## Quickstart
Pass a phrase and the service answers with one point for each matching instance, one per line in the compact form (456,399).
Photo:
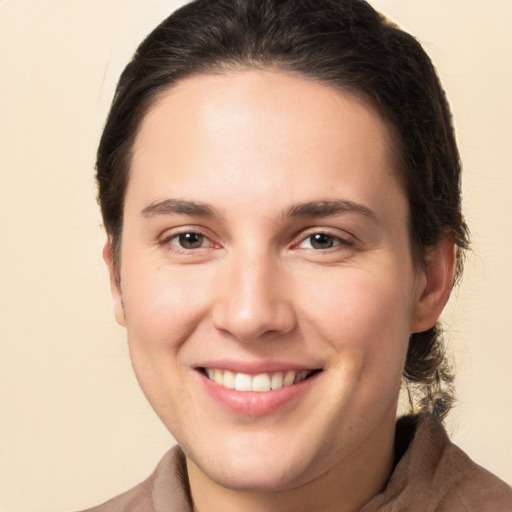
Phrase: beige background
(74,427)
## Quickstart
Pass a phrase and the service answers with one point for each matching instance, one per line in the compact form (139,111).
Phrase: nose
(254,302)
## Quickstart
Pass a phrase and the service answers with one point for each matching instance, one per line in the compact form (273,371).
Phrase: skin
(252,145)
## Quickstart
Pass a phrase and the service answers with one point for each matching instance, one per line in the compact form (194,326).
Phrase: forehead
(259,131)
(255,98)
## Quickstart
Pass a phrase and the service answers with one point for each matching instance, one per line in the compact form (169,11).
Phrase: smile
(261,383)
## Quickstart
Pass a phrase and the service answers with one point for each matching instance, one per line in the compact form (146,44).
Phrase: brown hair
(347,45)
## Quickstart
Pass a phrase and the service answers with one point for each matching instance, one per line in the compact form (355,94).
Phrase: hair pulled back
(346,45)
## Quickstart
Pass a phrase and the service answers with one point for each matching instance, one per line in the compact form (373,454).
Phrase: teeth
(243,382)
(289,378)
(218,377)
(259,383)
(277,381)
(300,376)
(228,380)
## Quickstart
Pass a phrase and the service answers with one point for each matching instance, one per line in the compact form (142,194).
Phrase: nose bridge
(254,301)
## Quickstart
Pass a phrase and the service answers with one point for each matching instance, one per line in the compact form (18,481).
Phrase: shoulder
(136,499)
(475,487)
(435,475)
(165,490)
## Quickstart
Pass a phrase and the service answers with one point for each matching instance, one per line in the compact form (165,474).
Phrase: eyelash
(337,242)
(167,241)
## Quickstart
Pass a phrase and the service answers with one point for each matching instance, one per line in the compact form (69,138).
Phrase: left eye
(323,241)
(190,240)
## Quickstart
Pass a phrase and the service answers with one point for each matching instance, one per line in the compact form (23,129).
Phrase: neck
(345,487)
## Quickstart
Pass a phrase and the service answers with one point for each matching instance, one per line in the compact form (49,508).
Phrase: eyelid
(171,233)
(168,235)
(346,238)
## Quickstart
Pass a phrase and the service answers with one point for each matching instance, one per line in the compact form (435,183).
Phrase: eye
(190,240)
(324,241)
(187,241)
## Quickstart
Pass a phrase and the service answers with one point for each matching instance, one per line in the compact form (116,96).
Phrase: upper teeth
(261,382)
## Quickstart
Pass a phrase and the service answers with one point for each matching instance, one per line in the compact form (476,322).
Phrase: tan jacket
(432,476)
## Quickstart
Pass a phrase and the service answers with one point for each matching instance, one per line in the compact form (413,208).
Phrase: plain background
(74,426)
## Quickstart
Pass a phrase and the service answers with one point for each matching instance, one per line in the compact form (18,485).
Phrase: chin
(252,475)
(254,464)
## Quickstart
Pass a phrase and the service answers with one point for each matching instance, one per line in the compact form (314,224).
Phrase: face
(266,279)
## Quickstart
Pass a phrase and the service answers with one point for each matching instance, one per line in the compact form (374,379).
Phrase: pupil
(191,240)
(321,241)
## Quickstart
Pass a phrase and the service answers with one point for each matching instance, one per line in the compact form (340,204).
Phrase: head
(345,45)
(294,61)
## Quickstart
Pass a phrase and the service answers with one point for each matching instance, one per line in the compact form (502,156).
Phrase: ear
(115,285)
(434,285)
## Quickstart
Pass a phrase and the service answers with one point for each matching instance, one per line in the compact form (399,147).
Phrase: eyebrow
(323,208)
(329,207)
(177,206)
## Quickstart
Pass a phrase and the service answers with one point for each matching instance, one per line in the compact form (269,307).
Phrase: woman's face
(265,245)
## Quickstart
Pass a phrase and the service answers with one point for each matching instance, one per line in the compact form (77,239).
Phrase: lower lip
(253,403)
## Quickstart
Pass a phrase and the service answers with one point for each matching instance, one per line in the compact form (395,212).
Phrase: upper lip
(256,367)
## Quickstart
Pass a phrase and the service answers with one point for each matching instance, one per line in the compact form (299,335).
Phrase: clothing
(432,475)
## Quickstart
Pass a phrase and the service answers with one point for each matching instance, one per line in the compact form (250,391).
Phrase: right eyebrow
(180,206)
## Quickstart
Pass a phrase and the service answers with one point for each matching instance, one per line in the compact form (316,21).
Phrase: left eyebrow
(179,206)
(329,207)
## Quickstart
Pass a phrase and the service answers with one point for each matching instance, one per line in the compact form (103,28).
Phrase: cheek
(365,313)
(161,308)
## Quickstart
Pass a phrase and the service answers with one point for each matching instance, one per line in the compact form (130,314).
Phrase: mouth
(259,383)
(256,389)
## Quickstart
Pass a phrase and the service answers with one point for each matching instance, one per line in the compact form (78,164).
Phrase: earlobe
(115,285)
(434,286)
